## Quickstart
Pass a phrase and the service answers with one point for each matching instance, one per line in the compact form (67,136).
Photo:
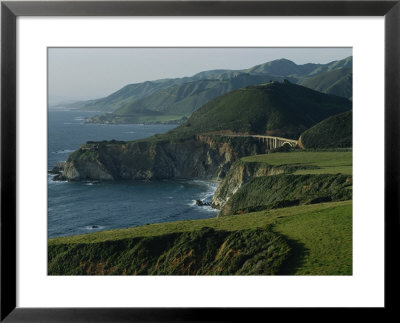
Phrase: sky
(90,73)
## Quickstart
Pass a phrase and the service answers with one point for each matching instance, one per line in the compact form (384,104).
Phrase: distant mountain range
(174,100)
(338,82)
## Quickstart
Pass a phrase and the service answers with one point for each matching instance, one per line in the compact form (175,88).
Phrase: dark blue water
(76,208)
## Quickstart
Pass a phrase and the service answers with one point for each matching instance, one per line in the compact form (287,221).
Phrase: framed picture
(161,109)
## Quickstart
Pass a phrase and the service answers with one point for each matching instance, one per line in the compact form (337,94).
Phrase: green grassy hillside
(313,162)
(295,178)
(167,94)
(319,238)
(198,252)
(333,132)
(280,109)
(285,67)
(314,237)
(276,191)
(321,241)
(337,82)
(185,98)
(128,94)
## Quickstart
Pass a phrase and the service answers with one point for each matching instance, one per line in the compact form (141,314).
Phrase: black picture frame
(10,10)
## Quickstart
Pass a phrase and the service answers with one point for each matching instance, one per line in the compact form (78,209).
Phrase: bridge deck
(292,141)
(272,137)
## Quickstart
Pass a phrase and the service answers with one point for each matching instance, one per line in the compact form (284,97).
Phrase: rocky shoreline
(203,157)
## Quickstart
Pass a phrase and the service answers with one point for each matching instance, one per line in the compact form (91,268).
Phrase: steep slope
(333,132)
(306,165)
(199,252)
(277,191)
(178,101)
(319,237)
(278,68)
(285,67)
(278,109)
(201,157)
(338,82)
(200,147)
(126,95)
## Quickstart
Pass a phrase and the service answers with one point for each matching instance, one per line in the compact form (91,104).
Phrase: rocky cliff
(206,251)
(238,175)
(199,157)
(269,192)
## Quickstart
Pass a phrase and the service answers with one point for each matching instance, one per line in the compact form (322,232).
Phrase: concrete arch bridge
(276,142)
(271,141)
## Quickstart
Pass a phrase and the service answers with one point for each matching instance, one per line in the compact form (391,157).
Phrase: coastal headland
(285,208)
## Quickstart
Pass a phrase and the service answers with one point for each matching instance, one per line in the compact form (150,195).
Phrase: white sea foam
(50,179)
(210,209)
(209,193)
(192,203)
(94,227)
(205,197)
(63,151)
(89,183)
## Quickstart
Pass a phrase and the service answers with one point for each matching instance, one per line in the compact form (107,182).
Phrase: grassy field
(319,162)
(231,223)
(321,241)
(320,235)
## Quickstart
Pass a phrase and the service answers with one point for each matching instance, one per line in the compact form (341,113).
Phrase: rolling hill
(333,132)
(179,101)
(127,94)
(278,109)
(169,100)
(338,82)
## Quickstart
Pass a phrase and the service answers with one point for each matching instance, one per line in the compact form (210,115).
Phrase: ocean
(85,207)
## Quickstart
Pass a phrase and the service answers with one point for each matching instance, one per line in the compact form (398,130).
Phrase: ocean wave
(209,193)
(209,209)
(206,196)
(192,203)
(50,180)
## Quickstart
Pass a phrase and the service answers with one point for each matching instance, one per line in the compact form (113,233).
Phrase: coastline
(171,206)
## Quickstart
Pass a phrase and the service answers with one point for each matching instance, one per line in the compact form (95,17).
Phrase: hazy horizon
(90,73)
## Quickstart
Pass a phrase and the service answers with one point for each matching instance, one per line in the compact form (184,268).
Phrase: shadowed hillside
(170,100)
(278,109)
(199,252)
(177,101)
(333,132)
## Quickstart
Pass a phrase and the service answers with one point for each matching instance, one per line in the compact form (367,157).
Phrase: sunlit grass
(320,235)
(321,241)
(320,162)
(229,223)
